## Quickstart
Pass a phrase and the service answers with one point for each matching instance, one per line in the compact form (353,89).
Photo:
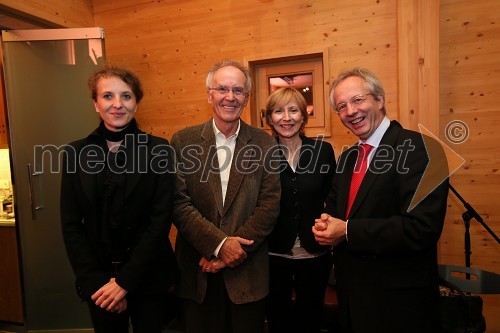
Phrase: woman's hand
(212,266)
(109,296)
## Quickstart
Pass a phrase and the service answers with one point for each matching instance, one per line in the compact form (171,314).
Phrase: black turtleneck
(112,186)
(117,136)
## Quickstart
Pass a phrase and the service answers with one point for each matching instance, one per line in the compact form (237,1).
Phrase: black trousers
(302,279)
(389,310)
(146,313)
(217,314)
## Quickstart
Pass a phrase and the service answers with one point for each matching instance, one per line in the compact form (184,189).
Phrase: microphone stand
(469,214)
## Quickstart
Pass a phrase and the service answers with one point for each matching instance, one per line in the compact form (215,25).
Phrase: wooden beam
(418,74)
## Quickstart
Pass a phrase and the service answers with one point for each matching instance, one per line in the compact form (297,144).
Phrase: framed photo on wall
(307,74)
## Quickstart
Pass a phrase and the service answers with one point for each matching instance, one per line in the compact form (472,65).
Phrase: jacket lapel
(209,157)
(235,176)
(388,139)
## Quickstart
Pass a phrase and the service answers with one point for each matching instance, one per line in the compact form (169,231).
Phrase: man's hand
(231,252)
(109,295)
(328,230)
(212,266)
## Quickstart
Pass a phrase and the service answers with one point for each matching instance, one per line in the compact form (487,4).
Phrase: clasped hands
(231,254)
(111,297)
(329,230)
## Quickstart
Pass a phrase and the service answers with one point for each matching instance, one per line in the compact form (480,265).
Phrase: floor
(9,328)
(329,315)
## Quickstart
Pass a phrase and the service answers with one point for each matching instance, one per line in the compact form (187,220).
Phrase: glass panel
(302,82)
(48,104)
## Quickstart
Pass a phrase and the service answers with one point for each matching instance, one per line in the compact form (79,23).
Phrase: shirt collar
(376,137)
(218,132)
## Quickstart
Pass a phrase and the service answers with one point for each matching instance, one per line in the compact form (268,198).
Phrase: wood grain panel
(175,43)
(54,13)
(418,42)
(470,81)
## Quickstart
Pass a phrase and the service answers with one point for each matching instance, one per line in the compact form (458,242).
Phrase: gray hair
(372,83)
(232,63)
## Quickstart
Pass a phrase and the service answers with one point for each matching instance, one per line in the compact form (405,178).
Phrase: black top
(303,194)
(141,210)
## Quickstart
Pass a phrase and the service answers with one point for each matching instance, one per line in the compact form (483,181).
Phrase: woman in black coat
(116,202)
(299,266)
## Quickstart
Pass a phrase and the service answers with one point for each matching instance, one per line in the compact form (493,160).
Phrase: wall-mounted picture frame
(308,73)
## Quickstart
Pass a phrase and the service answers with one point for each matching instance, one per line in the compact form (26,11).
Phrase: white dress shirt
(225,151)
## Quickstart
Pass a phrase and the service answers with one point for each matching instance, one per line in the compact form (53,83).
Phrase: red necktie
(358,174)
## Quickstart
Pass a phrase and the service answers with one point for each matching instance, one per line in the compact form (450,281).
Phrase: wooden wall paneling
(418,41)
(13,21)
(470,81)
(175,43)
(53,13)
(367,40)
(470,45)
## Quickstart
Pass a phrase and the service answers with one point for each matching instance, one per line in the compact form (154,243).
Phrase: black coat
(303,195)
(149,263)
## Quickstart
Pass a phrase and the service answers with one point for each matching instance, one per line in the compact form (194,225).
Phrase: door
(48,105)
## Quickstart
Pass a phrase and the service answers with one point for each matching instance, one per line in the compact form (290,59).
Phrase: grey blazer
(250,209)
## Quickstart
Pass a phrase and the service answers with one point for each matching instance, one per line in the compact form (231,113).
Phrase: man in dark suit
(227,202)
(385,241)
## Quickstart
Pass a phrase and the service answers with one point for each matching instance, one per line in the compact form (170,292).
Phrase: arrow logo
(443,162)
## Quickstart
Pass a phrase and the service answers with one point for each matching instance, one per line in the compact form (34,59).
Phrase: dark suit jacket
(390,249)
(303,195)
(150,262)
(249,211)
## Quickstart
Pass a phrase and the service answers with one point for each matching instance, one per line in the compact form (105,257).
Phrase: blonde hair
(281,97)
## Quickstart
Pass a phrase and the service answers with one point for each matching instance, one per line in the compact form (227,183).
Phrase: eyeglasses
(223,91)
(354,101)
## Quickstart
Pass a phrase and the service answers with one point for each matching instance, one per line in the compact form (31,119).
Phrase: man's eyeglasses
(354,101)
(223,91)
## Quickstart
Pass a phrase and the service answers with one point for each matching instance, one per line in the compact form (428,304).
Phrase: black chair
(480,282)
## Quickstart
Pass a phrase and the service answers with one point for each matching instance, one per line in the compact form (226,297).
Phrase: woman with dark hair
(298,264)
(116,202)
